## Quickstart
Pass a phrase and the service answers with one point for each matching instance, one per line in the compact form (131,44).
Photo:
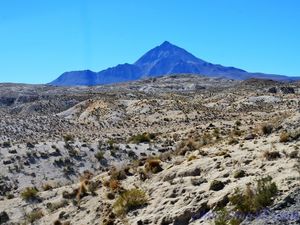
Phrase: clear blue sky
(40,39)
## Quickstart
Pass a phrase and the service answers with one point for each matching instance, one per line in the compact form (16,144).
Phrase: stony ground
(178,146)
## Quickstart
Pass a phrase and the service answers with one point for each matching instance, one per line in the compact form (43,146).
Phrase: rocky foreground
(169,150)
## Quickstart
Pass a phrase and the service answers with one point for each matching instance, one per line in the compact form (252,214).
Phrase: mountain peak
(164,59)
(166,43)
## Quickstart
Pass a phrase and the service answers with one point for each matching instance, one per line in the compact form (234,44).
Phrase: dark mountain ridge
(162,60)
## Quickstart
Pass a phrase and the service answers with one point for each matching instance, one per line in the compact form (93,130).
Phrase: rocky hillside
(170,150)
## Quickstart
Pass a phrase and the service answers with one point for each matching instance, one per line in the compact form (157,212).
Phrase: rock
(12,151)
(30,145)
(189,172)
(239,174)
(272,90)
(7,162)
(3,217)
(198,181)
(250,137)
(287,90)
(216,185)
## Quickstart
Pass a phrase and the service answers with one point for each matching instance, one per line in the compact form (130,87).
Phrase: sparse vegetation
(142,138)
(284,137)
(34,215)
(153,166)
(267,129)
(53,206)
(271,155)
(99,155)
(29,194)
(68,137)
(233,141)
(130,200)
(239,174)
(246,203)
(253,200)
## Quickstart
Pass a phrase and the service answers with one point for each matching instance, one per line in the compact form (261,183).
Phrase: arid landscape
(178,149)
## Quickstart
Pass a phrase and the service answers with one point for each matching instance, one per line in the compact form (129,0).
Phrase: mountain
(161,60)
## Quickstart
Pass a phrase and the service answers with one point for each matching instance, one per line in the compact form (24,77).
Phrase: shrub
(186,146)
(93,186)
(114,184)
(47,187)
(56,205)
(192,157)
(271,155)
(239,174)
(284,137)
(223,217)
(238,123)
(34,215)
(118,174)
(68,137)
(99,155)
(216,185)
(29,194)
(254,200)
(153,165)
(130,200)
(233,141)
(266,129)
(142,138)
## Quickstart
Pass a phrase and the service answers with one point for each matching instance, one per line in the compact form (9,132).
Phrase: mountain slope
(161,60)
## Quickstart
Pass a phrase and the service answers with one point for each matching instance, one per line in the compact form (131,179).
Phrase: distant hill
(162,60)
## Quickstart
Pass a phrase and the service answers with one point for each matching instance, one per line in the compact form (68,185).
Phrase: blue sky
(40,39)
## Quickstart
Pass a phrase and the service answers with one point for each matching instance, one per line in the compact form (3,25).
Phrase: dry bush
(142,138)
(117,174)
(130,200)
(266,129)
(271,155)
(114,185)
(153,166)
(192,157)
(53,206)
(254,200)
(35,215)
(284,137)
(47,187)
(187,146)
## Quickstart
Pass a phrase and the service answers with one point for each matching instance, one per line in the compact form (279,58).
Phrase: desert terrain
(179,149)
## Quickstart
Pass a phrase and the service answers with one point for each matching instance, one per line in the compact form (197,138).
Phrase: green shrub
(254,200)
(30,193)
(68,137)
(129,200)
(99,155)
(142,138)
(34,215)
(223,217)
